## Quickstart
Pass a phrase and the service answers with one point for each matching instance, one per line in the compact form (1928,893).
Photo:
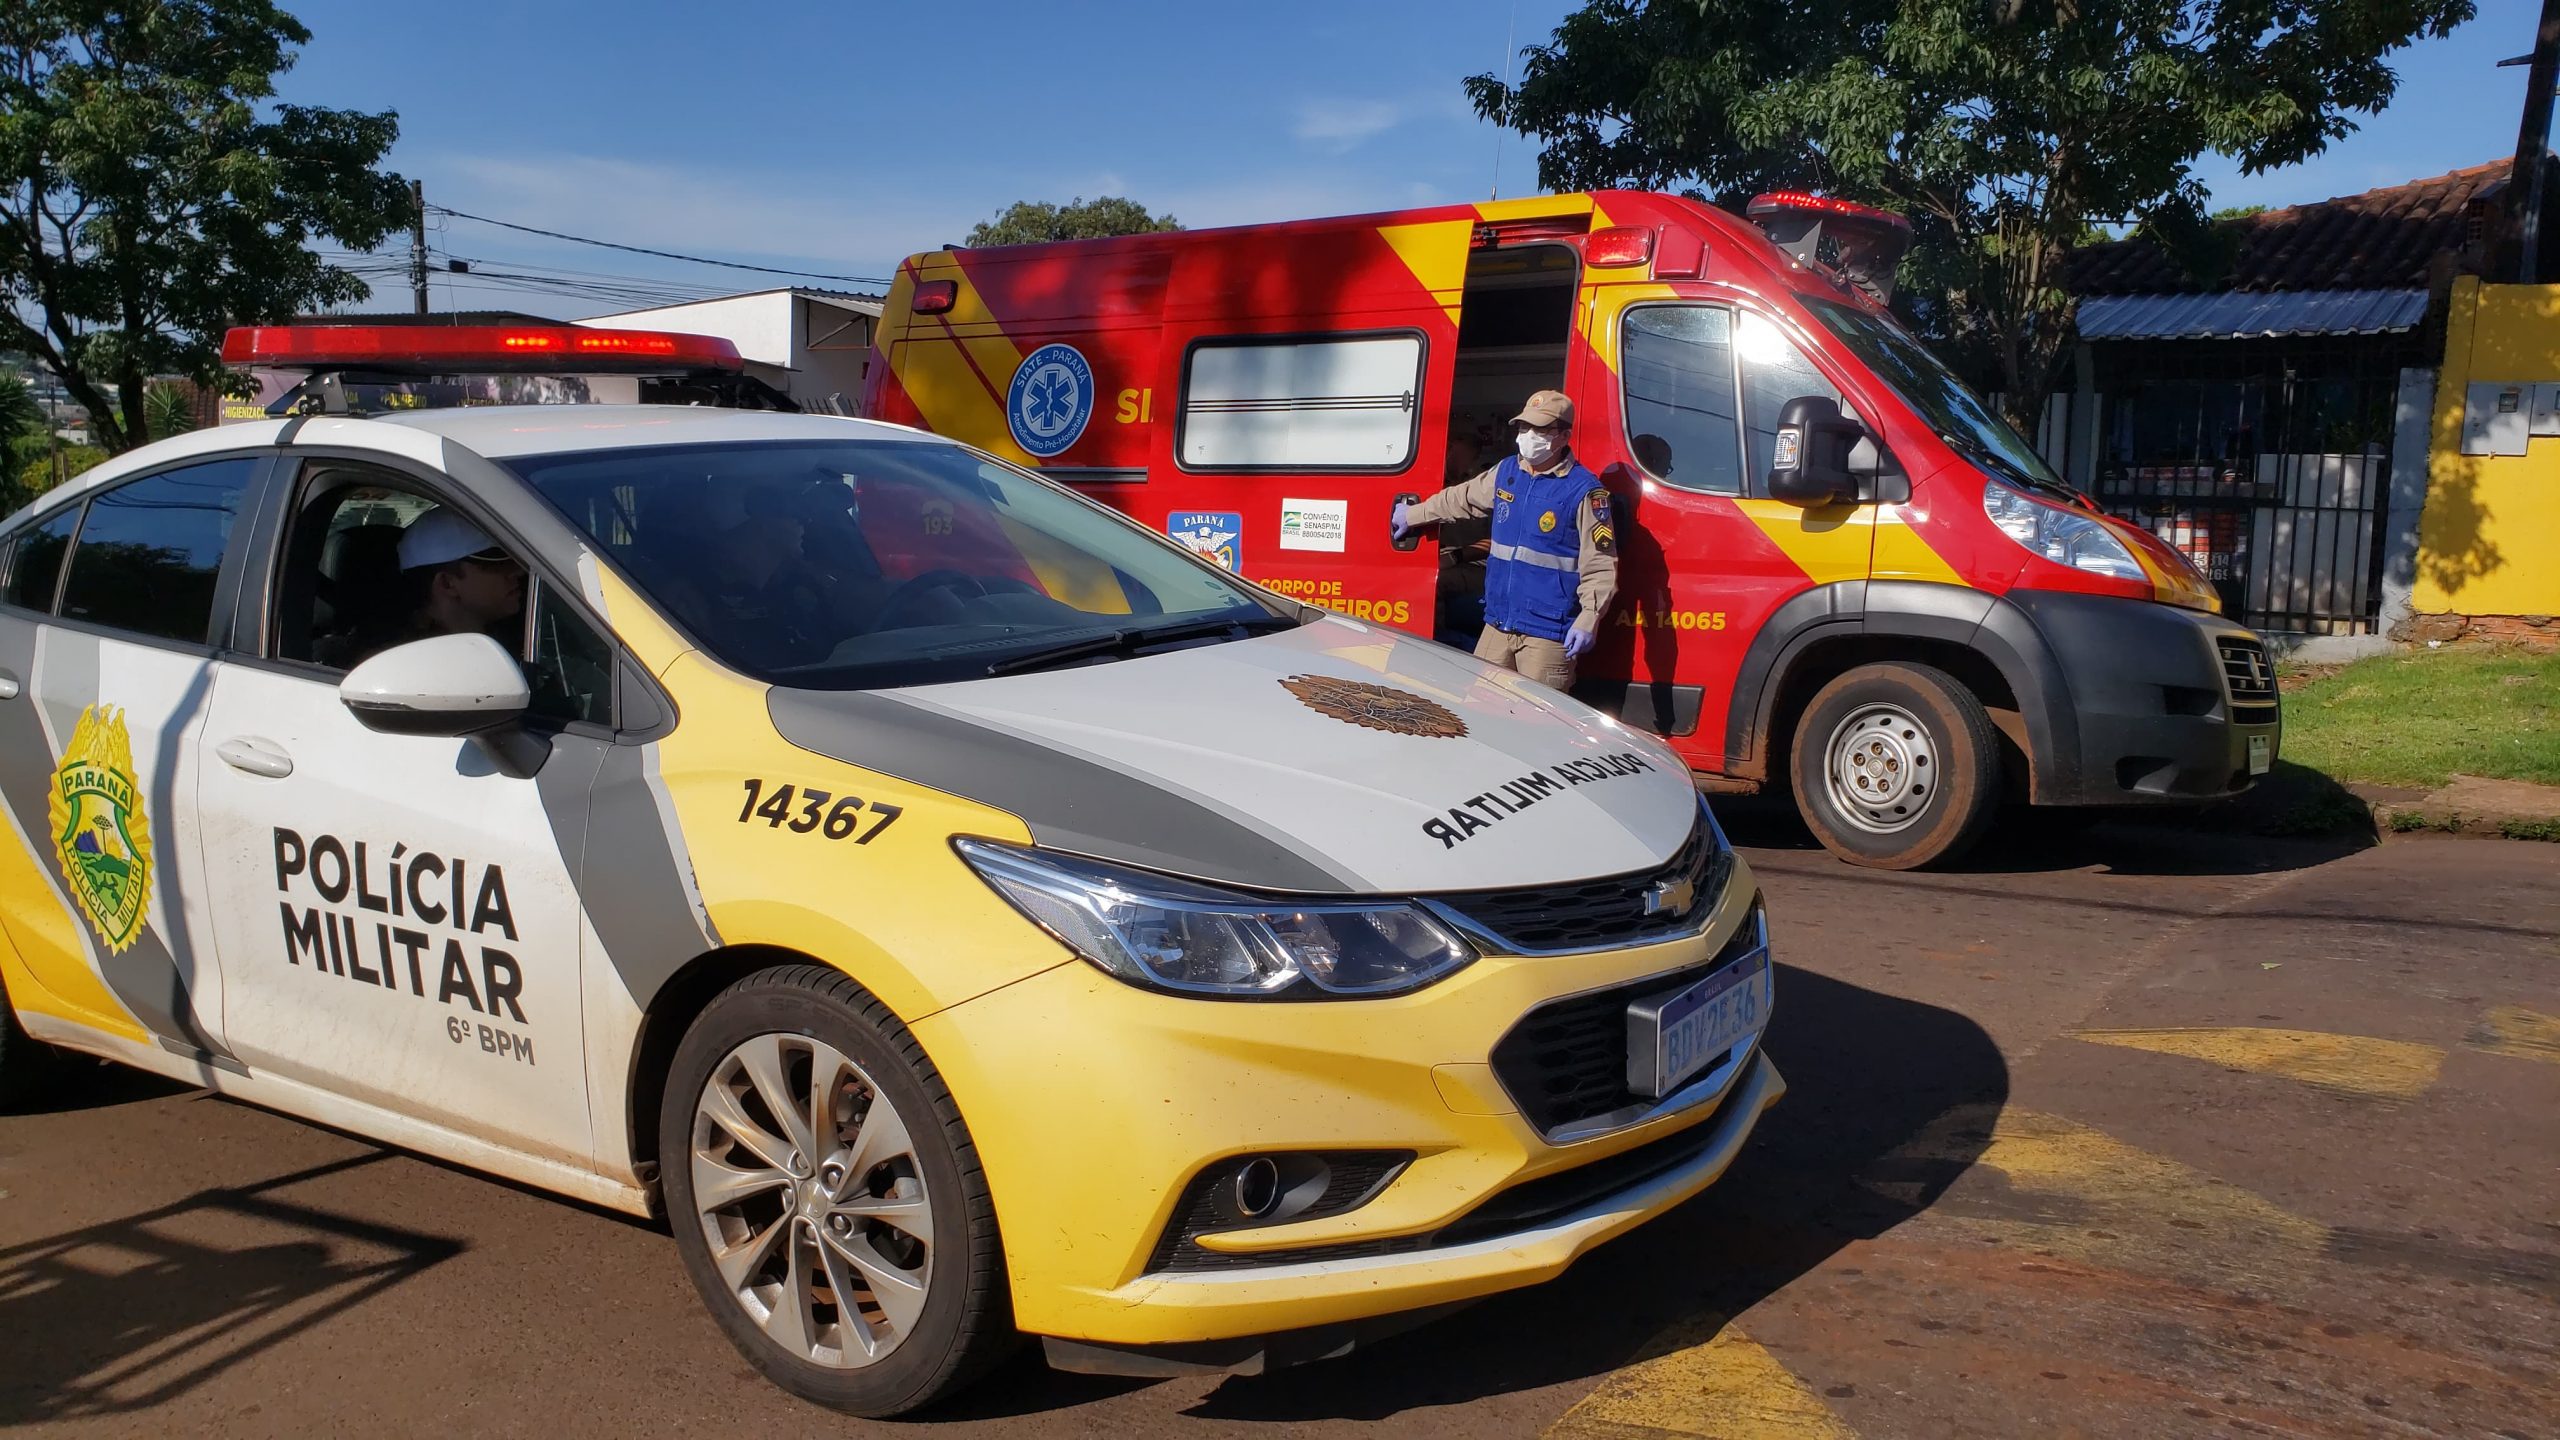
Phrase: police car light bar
(448,349)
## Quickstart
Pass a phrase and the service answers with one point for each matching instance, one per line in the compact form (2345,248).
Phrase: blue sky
(842,137)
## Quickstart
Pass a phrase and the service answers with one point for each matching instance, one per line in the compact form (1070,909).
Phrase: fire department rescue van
(1840,573)
(965,911)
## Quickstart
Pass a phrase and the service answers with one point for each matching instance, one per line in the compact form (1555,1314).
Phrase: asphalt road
(2140,1134)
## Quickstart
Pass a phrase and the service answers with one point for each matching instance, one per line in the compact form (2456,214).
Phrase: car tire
(1896,766)
(893,1209)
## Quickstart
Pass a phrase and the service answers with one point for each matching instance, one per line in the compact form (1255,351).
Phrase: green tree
(152,196)
(1031,222)
(19,412)
(169,409)
(2003,130)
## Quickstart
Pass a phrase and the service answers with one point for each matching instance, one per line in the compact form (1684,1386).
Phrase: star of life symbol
(1050,401)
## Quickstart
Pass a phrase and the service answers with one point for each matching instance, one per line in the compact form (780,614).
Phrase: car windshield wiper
(1120,641)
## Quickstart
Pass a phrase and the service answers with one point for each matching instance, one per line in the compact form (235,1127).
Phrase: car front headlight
(1162,933)
(2060,534)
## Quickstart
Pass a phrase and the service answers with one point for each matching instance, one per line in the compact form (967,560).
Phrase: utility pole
(418,227)
(2533,146)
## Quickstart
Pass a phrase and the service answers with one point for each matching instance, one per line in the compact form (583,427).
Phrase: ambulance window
(1331,404)
(149,551)
(36,566)
(1677,364)
(1774,372)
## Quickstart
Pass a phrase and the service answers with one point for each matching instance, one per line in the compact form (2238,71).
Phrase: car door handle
(8,685)
(258,757)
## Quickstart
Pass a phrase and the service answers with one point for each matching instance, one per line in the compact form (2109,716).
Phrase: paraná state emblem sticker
(100,834)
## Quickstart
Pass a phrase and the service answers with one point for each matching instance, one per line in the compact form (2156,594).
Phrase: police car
(963,913)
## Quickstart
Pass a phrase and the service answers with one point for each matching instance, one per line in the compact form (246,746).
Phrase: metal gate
(2267,462)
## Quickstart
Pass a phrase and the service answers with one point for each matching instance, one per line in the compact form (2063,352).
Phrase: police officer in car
(1554,565)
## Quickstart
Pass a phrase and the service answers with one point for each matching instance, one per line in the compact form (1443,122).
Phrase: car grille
(2251,678)
(1566,1061)
(1598,914)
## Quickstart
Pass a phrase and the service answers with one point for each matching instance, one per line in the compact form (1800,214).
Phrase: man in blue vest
(1554,566)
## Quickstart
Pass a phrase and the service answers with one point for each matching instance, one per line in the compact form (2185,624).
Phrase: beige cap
(1547,407)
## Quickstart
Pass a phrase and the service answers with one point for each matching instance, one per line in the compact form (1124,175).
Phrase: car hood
(1335,757)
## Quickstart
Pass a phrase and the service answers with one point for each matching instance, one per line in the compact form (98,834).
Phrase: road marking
(2514,1030)
(2357,1064)
(2085,1192)
(1706,1378)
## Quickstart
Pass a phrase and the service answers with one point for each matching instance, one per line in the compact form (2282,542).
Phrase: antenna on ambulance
(1508,26)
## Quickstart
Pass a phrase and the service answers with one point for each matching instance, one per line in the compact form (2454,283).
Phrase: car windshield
(855,564)
(1935,394)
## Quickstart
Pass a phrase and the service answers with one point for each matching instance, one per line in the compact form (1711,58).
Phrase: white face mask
(1536,449)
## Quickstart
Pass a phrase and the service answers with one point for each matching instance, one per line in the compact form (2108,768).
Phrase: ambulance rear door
(1308,370)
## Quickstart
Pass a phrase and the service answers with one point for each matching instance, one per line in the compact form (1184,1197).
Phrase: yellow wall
(2489,543)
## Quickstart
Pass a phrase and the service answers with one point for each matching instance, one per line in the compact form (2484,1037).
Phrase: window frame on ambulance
(1303,338)
(1753,475)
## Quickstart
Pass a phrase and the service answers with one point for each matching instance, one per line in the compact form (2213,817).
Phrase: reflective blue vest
(1531,578)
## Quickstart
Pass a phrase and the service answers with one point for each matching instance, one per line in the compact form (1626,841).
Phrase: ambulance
(1841,574)
(961,912)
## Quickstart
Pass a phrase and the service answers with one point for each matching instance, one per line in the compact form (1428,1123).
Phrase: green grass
(2421,718)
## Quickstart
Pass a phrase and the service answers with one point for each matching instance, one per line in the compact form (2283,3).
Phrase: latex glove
(1396,523)
(1579,639)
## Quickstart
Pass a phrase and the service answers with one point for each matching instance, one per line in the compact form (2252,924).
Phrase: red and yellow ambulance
(1841,573)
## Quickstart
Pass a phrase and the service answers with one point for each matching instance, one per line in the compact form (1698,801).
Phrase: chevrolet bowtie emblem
(1671,897)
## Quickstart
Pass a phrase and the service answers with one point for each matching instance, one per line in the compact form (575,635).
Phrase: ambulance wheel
(1896,766)
(826,1197)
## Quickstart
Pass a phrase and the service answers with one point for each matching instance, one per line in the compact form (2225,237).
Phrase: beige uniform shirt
(1598,559)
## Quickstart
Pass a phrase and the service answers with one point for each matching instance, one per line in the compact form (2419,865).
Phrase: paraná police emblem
(100,834)
(1051,399)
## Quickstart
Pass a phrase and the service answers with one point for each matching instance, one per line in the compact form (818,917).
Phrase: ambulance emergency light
(1859,243)
(482,349)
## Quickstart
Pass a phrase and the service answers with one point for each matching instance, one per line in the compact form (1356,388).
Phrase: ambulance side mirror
(461,685)
(1809,462)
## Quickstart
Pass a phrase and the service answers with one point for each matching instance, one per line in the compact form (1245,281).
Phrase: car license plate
(1671,1039)
(2262,754)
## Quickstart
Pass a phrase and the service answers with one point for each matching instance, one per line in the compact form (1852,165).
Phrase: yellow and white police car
(962,912)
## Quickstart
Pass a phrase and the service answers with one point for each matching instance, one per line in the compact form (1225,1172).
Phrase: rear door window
(150,550)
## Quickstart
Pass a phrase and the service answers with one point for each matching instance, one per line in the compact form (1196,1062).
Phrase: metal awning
(2251,315)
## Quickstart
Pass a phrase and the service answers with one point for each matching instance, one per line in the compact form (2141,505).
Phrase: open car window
(848,564)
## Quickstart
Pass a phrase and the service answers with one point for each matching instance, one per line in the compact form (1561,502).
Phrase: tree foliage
(20,414)
(1031,222)
(152,195)
(2003,128)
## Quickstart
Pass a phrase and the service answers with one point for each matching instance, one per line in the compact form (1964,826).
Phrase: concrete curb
(2510,809)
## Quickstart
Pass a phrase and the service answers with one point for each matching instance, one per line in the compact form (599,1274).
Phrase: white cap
(441,537)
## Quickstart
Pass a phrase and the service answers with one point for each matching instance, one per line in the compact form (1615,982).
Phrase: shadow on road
(1867,1073)
(130,1314)
(71,1083)
(2120,842)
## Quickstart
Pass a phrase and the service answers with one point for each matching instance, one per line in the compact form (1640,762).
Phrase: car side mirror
(1809,465)
(460,685)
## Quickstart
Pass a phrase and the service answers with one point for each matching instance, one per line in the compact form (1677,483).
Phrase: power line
(661,254)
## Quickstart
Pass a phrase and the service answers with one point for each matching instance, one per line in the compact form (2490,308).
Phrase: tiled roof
(2379,240)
